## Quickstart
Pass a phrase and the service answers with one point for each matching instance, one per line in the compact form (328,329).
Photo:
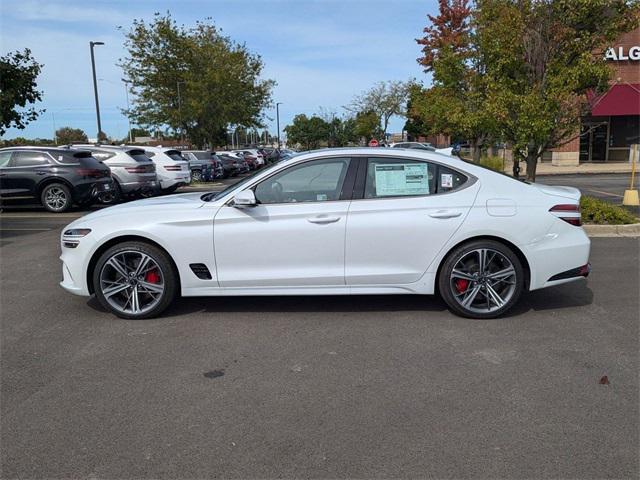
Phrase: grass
(494,163)
(599,212)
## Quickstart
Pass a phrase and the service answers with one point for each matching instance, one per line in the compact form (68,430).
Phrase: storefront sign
(618,54)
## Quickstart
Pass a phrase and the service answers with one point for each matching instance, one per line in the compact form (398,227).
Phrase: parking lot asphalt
(322,387)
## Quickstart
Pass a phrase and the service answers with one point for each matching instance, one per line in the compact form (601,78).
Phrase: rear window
(102,155)
(175,155)
(139,155)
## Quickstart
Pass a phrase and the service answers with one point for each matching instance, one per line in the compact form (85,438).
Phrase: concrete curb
(631,230)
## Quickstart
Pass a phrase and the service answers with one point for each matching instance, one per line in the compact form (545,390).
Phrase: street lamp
(95,84)
(278,121)
(180,111)
(126,91)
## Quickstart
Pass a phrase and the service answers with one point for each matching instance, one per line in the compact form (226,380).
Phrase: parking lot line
(604,193)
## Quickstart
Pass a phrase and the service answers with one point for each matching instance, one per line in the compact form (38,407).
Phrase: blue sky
(321,52)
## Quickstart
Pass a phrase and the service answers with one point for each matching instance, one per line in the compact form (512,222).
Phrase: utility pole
(278,121)
(126,91)
(95,85)
(180,111)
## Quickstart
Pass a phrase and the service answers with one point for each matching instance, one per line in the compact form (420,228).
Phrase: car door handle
(323,219)
(445,214)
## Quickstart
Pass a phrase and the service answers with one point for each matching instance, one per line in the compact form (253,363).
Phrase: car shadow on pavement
(555,298)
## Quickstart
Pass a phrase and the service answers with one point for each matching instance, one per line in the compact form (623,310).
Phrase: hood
(183,201)
(566,192)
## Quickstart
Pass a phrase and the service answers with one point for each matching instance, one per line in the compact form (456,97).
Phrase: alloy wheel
(483,280)
(132,282)
(55,198)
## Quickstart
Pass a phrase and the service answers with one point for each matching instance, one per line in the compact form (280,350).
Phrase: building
(613,126)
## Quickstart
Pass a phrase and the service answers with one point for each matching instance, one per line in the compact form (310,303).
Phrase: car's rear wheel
(135,280)
(481,279)
(56,197)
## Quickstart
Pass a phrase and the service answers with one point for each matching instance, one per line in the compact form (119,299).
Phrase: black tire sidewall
(66,191)
(167,267)
(453,257)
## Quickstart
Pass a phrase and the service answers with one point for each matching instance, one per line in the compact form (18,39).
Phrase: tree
(18,90)
(68,135)
(367,125)
(542,57)
(456,103)
(384,99)
(450,28)
(194,80)
(308,132)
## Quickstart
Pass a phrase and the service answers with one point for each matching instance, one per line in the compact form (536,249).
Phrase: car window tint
(317,181)
(175,156)
(150,154)
(29,159)
(449,179)
(140,157)
(4,158)
(390,177)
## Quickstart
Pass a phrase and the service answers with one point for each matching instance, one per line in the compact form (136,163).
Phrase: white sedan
(335,222)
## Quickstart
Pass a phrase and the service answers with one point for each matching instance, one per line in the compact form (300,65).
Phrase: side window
(29,159)
(394,177)
(449,179)
(4,159)
(316,181)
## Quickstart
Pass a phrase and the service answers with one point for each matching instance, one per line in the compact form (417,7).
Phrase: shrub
(600,212)
(494,163)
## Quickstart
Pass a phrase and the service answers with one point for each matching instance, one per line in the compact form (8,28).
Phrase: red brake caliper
(461,285)
(152,276)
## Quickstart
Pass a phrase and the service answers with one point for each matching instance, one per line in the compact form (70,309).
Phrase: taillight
(172,168)
(137,169)
(569,212)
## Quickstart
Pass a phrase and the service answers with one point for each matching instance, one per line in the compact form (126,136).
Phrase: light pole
(180,111)
(95,85)
(278,121)
(126,91)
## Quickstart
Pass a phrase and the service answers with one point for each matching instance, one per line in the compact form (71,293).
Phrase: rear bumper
(135,187)
(560,256)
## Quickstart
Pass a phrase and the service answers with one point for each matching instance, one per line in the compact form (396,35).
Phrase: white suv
(171,167)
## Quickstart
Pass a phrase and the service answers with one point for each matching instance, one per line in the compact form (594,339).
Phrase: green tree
(194,80)
(309,132)
(367,125)
(456,102)
(18,90)
(384,99)
(68,135)
(541,59)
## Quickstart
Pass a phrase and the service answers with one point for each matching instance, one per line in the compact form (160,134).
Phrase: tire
(472,294)
(112,197)
(155,287)
(196,176)
(56,198)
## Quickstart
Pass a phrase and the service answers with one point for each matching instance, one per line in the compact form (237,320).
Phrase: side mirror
(245,198)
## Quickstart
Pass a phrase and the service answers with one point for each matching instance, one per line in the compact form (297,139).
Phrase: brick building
(613,126)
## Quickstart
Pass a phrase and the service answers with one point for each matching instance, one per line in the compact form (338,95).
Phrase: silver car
(133,172)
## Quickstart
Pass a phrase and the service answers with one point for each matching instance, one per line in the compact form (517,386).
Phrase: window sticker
(396,179)
(446,180)
(321,197)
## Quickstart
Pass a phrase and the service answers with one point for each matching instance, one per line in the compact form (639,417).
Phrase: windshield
(207,197)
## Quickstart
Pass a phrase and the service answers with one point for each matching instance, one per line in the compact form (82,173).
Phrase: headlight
(77,232)
(71,238)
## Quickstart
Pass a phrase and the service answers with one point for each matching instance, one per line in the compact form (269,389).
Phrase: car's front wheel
(481,279)
(135,280)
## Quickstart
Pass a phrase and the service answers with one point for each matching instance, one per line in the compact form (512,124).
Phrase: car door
(294,236)
(5,158)
(403,213)
(26,169)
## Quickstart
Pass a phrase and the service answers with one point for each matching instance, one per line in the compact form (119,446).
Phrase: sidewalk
(547,168)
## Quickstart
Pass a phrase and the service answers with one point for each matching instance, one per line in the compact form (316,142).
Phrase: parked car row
(60,177)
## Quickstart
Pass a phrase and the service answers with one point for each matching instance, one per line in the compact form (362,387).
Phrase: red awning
(621,99)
